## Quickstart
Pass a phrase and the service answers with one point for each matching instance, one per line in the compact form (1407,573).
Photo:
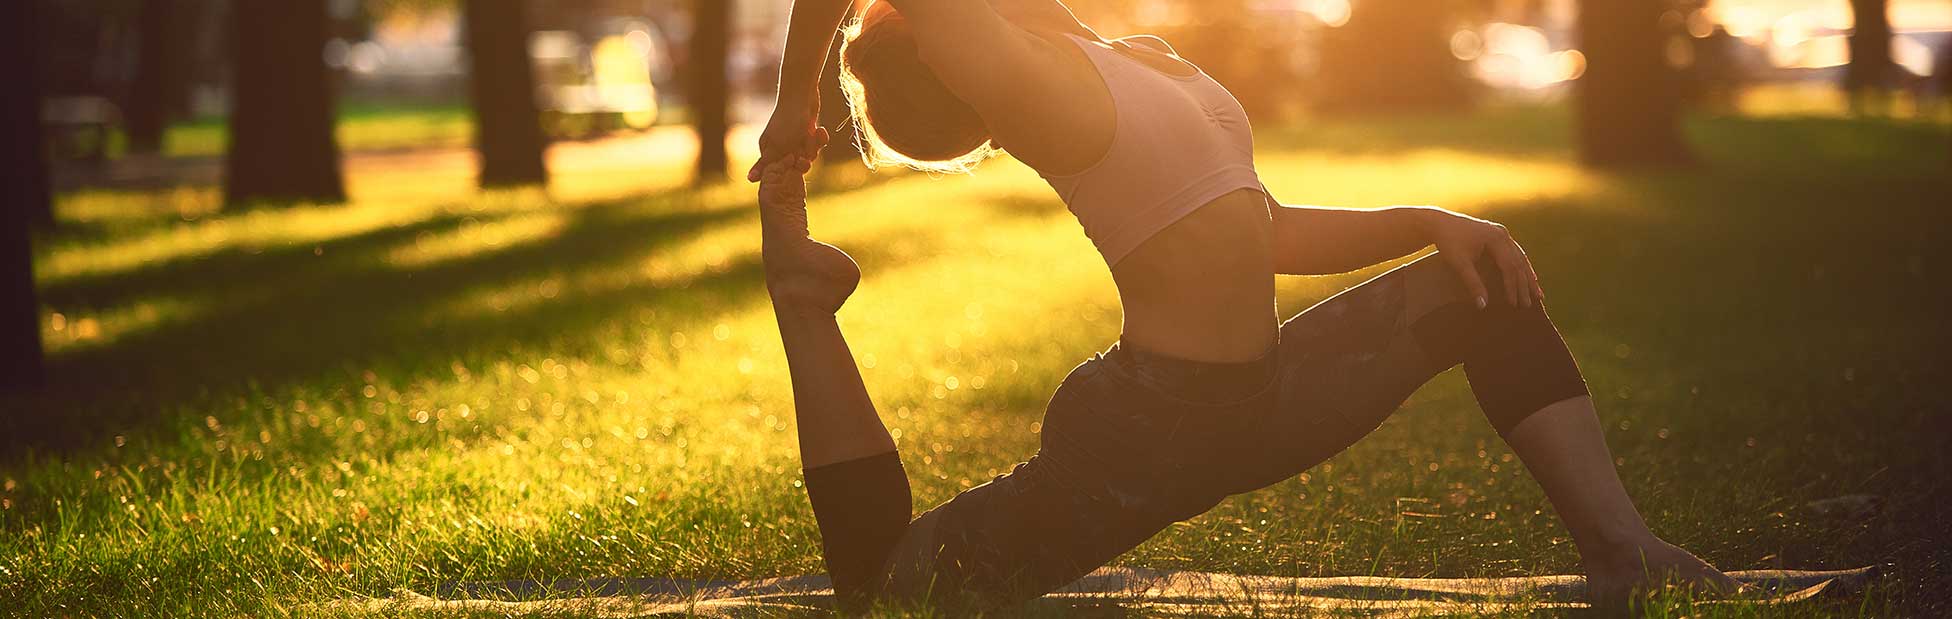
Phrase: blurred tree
(1232,42)
(1870,68)
(508,127)
(160,91)
(25,198)
(709,89)
(282,146)
(1942,81)
(25,193)
(1629,100)
(1392,56)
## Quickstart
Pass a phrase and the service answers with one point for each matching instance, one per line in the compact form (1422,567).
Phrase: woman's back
(1178,213)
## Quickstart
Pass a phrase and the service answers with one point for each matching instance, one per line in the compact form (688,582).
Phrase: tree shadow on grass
(234,268)
(283,315)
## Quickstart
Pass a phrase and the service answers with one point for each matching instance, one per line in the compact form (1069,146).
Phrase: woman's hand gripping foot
(802,275)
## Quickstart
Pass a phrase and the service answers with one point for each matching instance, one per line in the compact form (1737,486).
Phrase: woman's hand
(1461,239)
(794,131)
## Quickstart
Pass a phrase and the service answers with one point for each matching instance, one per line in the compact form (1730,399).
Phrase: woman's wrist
(796,97)
(1426,220)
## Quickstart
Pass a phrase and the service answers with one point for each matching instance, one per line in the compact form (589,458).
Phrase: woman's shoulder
(1043,16)
(1150,41)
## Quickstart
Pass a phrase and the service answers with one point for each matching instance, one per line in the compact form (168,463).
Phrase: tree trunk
(1629,100)
(1391,56)
(1870,48)
(24,203)
(281,143)
(508,127)
(710,90)
(160,91)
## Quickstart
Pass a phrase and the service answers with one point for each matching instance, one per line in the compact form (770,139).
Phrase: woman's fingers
(1509,270)
(766,160)
(1468,273)
(808,150)
(758,170)
(1530,282)
(818,141)
(1529,276)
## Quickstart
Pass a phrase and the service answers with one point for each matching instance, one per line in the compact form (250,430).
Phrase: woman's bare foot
(802,274)
(1631,568)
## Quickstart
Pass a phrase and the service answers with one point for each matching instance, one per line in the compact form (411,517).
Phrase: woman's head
(903,113)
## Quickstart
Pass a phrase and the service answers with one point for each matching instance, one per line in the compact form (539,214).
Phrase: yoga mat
(1145,591)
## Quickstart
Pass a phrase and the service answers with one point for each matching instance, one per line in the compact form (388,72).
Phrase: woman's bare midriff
(1203,289)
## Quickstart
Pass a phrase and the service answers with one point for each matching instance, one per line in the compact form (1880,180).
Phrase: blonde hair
(907,117)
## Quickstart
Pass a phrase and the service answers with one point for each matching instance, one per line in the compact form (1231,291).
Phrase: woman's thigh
(1346,364)
(1121,459)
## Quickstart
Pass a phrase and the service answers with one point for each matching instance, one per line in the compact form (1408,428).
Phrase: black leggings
(1135,442)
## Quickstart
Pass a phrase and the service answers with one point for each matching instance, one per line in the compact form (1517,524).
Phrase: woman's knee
(1433,282)
(1514,356)
(1450,328)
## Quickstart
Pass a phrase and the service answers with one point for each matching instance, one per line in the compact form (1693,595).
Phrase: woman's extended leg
(854,477)
(1349,362)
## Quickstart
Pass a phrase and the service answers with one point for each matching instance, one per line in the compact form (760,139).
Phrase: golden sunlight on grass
(1822,99)
(1461,180)
(247,232)
(67,332)
(128,208)
(474,237)
(387,191)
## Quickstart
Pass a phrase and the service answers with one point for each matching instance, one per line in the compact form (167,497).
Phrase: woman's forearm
(1316,240)
(808,37)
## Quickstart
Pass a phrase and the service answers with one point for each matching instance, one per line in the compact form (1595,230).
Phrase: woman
(1204,395)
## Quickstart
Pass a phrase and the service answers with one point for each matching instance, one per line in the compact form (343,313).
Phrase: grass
(361,127)
(261,410)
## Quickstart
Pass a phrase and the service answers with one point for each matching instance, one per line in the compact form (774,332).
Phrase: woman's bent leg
(854,477)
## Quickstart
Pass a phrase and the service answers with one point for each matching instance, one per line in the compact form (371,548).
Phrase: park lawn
(268,409)
(361,127)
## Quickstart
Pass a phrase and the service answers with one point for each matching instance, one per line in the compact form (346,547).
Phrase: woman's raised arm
(794,128)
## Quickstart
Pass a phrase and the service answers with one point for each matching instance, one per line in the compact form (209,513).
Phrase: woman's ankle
(1616,547)
(812,279)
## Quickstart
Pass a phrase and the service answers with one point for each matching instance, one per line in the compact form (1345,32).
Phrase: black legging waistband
(1197,381)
